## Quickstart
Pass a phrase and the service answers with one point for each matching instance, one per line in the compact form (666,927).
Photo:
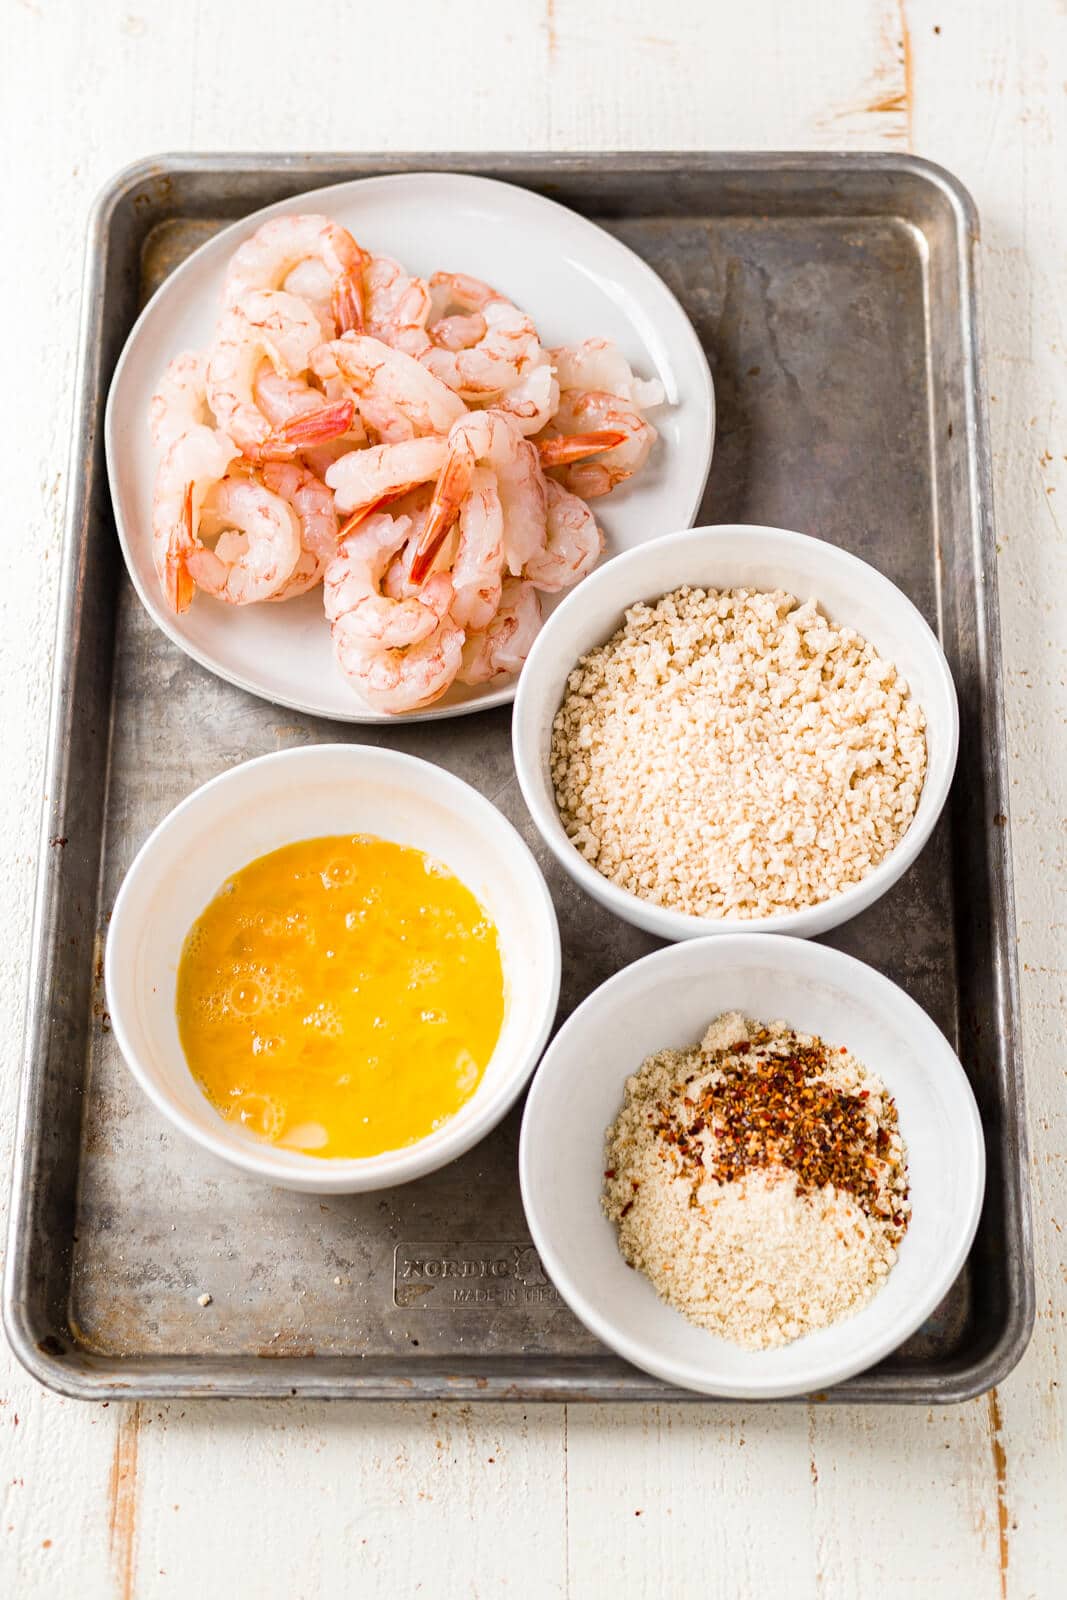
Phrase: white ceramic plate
(305,793)
(666,1001)
(576,281)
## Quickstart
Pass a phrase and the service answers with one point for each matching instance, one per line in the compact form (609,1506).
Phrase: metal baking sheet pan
(835,296)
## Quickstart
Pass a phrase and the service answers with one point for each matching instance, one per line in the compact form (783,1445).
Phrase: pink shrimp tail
(319,426)
(178,586)
(448,496)
(346,303)
(577,446)
(361,513)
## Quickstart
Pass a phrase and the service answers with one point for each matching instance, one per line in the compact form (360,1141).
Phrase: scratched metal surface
(833,298)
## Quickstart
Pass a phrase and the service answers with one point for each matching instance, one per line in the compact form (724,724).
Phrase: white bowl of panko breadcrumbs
(751,1165)
(736,729)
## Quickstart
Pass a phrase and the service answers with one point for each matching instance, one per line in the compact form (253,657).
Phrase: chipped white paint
(312,1501)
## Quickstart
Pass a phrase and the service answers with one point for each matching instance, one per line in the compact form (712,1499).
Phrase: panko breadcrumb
(787,1230)
(734,754)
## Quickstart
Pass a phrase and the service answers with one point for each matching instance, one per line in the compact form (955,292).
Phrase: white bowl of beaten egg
(360,919)
(736,729)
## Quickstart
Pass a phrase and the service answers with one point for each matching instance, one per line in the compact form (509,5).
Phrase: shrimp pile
(406,445)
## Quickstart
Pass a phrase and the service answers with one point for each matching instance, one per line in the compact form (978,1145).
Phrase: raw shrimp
(533,401)
(582,413)
(256,543)
(503,646)
(505,348)
(313,504)
(303,253)
(573,543)
(354,603)
(279,327)
(479,559)
(401,680)
(282,400)
(459,332)
(396,305)
(319,458)
(493,439)
(397,582)
(190,469)
(393,393)
(600,364)
(364,478)
(180,402)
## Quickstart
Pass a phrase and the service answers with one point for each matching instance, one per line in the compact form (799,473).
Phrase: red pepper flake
(778,1109)
(609,1172)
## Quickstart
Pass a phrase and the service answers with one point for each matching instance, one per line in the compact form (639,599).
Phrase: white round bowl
(304,794)
(735,556)
(666,1001)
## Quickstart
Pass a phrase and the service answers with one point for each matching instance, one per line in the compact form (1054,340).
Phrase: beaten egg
(341,996)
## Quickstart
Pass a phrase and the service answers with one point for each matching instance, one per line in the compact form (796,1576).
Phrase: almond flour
(734,754)
(759,1180)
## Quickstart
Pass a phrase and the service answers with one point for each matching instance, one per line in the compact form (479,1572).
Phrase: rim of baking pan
(39,1349)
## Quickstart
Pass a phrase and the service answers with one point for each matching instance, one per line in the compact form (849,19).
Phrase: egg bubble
(259,1114)
(246,997)
(213,1006)
(326,1020)
(337,874)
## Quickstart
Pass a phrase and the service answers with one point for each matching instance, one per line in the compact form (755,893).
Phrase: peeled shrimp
(401,680)
(397,305)
(354,603)
(180,402)
(479,561)
(304,254)
(282,400)
(190,469)
(532,403)
(313,504)
(491,439)
(503,646)
(339,384)
(506,345)
(573,543)
(393,393)
(364,478)
(600,364)
(459,332)
(281,328)
(586,412)
(397,582)
(256,538)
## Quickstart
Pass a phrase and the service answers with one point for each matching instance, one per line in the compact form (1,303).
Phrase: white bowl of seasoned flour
(757,1218)
(736,728)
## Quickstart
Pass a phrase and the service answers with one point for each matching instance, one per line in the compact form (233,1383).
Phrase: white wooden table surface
(307,1500)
